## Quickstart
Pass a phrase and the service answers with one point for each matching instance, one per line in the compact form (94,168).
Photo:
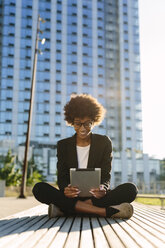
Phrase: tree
(34,175)
(162,170)
(9,172)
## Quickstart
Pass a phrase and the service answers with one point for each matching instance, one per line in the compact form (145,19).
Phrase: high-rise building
(92,46)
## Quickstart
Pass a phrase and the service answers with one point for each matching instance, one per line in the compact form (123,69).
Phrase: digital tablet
(85,179)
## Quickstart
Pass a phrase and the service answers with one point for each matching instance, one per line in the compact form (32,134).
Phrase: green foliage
(162,177)
(13,175)
(9,172)
(34,175)
(35,178)
(162,170)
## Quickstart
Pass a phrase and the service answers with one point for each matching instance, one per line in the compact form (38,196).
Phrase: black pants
(47,194)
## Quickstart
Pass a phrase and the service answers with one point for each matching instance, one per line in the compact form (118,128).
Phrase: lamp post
(25,164)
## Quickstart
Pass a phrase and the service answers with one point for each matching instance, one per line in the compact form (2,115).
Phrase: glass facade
(92,46)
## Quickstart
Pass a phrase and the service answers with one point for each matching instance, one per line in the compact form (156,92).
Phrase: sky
(152,56)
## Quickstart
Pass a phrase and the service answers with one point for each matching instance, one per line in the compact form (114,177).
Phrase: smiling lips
(82,132)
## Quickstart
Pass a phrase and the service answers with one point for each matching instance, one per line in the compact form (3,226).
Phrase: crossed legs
(123,193)
(47,194)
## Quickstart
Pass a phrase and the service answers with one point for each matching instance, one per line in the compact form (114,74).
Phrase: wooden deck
(33,228)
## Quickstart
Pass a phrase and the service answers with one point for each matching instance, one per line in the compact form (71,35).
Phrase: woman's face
(83,127)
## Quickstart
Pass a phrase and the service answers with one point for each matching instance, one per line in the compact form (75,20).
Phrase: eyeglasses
(86,124)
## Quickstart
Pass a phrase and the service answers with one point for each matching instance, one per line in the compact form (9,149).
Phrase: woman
(85,150)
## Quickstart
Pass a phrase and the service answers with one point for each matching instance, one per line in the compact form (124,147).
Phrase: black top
(100,156)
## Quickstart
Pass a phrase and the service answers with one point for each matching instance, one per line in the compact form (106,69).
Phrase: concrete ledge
(160,197)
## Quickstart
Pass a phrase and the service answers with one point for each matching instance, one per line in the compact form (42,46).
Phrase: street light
(25,164)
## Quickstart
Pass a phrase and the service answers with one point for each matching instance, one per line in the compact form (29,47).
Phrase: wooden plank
(144,233)
(98,234)
(26,234)
(47,238)
(61,236)
(124,236)
(155,226)
(6,222)
(139,239)
(74,234)
(154,215)
(157,236)
(86,239)
(149,209)
(11,222)
(39,233)
(13,227)
(14,231)
(32,229)
(151,219)
(17,226)
(112,237)
(14,222)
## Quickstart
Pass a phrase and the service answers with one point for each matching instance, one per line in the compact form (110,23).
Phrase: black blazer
(100,156)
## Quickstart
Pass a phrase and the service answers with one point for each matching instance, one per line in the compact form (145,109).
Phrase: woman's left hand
(98,192)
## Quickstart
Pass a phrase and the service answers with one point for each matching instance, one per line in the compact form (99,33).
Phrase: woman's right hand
(71,191)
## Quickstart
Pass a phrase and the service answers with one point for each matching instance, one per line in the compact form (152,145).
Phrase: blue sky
(152,49)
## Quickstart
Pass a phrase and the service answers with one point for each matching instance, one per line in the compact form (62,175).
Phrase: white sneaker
(54,211)
(125,211)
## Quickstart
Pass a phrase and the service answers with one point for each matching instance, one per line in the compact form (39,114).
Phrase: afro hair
(81,106)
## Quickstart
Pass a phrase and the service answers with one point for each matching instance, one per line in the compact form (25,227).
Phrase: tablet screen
(85,179)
